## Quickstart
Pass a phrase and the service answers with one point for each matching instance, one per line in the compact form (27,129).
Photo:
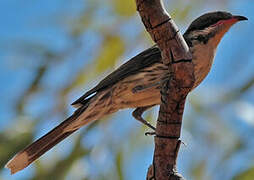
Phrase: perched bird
(135,84)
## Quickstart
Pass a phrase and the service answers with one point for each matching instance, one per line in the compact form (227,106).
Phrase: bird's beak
(240,18)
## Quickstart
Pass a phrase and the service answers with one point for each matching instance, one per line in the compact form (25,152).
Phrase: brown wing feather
(134,65)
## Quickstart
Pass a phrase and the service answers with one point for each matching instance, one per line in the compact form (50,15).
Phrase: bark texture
(176,55)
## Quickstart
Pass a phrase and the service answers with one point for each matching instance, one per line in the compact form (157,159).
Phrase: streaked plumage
(135,84)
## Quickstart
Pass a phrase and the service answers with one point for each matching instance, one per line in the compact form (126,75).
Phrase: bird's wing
(134,65)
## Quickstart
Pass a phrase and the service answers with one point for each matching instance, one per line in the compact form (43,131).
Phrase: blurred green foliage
(249,174)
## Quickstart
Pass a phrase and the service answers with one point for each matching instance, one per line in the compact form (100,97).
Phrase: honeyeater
(135,84)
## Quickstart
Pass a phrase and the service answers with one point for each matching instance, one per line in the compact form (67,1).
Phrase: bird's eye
(203,39)
(200,38)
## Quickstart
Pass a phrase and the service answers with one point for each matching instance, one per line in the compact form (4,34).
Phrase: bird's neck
(203,50)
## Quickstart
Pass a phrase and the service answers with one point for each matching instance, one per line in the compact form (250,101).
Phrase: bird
(135,84)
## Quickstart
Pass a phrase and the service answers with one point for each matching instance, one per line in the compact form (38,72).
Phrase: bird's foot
(137,114)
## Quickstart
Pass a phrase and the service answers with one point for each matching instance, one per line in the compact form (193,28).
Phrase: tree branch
(175,54)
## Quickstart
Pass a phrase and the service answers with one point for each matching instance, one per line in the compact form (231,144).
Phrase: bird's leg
(137,114)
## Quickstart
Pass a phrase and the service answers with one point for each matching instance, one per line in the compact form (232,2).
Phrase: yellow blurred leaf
(199,170)
(124,8)
(112,49)
(246,175)
(119,164)
(181,12)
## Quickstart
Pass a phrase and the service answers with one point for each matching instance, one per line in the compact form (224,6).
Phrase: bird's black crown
(208,19)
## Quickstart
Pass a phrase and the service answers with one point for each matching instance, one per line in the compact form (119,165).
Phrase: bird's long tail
(39,147)
(95,108)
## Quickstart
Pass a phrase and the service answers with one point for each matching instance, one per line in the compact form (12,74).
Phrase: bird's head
(211,27)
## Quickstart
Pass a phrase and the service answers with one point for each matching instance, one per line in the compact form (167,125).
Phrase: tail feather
(39,147)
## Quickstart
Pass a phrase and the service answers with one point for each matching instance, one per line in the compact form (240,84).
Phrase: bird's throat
(203,55)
